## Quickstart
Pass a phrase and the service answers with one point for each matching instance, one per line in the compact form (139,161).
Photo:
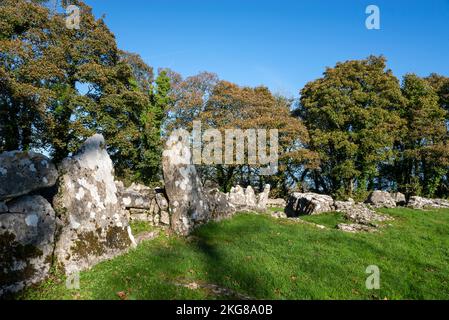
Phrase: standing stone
(308,204)
(24,172)
(95,226)
(237,197)
(187,200)
(26,242)
(262,199)
(250,196)
(379,199)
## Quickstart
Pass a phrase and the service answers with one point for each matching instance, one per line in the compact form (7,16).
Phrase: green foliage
(352,120)
(70,84)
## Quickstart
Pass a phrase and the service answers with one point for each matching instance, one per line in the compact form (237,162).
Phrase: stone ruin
(75,216)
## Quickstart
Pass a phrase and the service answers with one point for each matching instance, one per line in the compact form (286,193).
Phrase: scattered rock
(381,199)
(95,227)
(24,172)
(343,206)
(361,214)
(416,202)
(308,204)
(26,242)
(355,227)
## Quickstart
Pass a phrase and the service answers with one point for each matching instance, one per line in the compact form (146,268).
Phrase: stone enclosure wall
(75,215)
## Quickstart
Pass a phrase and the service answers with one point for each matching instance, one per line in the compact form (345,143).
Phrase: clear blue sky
(280,44)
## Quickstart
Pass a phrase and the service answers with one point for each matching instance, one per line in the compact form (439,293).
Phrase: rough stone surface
(361,214)
(262,199)
(135,199)
(381,199)
(308,204)
(355,227)
(95,226)
(343,206)
(187,199)
(416,202)
(280,203)
(26,242)
(247,200)
(24,172)
(237,197)
(399,198)
(219,204)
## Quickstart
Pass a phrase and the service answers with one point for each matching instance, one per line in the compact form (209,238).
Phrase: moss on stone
(12,252)
(117,238)
(88,243)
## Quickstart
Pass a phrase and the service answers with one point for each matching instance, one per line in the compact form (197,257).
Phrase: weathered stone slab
(26,243)
(95,226)
(308,204)
(24,172)
(381,199)
(219,204)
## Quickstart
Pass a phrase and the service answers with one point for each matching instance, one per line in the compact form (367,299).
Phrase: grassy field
(264,258)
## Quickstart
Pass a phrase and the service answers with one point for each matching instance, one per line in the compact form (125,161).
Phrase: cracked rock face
(187,199)
(24,172)
(95,226)
(27,233)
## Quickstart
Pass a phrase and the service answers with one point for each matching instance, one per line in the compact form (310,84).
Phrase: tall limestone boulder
(187,200)
(23,172)
(27,229)
(95,226)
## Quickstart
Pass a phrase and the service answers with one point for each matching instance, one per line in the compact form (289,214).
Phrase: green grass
(138,227)
(268,258)
(330,220)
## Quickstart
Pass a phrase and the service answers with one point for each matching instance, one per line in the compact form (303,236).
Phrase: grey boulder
(24,172)
(26,242)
